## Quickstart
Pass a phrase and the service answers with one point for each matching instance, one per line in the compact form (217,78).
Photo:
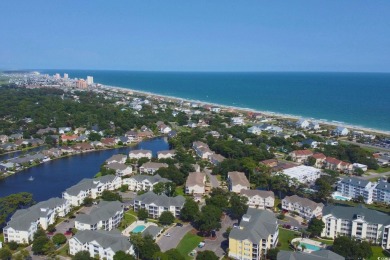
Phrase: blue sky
(197,35)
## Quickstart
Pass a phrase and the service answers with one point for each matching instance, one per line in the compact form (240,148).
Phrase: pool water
(340,198)
(139,229)
(310,246)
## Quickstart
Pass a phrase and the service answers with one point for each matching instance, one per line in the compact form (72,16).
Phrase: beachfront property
(304,207)
(357,222)
(107,215)
(382,192)
(117,158)
(168,154)
(258,232)
(259,199)
(300,156)
(216,159)
(151,167)
(303,173)
(138,154)
(237,120)
(156,204)
(120,168)
(143,182)
(25,222)
(196,184)
(323,254)
(201,149)
(341,131)
(237,182)
(353,187)
(91,188)
(100,243)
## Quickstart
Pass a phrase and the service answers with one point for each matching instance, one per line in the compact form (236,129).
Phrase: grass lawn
(380,170)
(285,236)
(127,220)
(179,190)
(327,242)
(63,250)
(1,237)
(378,252)
(188,243)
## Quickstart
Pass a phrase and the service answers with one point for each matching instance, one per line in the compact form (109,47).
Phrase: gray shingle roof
(160,200)
(104,211)
(350,213)
(355,181)
(86,184)
(106,239)
(260,193)
(152,178)
(304,202)
(261,224)
(383,185)
(315,255)
(154,165)
(238,178)
(152,230)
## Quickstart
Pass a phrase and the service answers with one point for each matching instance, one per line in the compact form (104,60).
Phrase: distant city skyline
(336,36)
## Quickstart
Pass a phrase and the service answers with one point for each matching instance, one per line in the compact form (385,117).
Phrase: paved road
(213,179)
(378,148)
(375,175)
(291,221)
(177,233)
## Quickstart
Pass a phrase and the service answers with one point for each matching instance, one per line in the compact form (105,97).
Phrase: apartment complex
(304,207)
(196,183)
(258,232)
(303,173)
(143,182)
(353,187)
(260,199)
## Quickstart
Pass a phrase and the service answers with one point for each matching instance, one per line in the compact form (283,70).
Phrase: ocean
(360,99)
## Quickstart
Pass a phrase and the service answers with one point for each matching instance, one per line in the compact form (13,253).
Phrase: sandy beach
(244,110)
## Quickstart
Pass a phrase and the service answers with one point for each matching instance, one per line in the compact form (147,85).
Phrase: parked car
(296,228)
(167,235)
(68,233)
(235,225)
(179,224)
(201,244)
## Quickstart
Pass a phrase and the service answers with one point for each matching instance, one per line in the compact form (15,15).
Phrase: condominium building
(382,192)
(353,187)
(358,222)
(100,244)
(260,199)
(258,232)
(25,222)
(138,154)
(303,173)
(157,204)
(300,156)
(196,183)
(107,215)
(238,182)
(143,182)
(151,167)
(304,207)
(168,154)
(323,254)
(91,188)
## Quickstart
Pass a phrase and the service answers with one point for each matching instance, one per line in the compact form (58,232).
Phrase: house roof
(217,157)
(383,185)
(238,178)
(355,181)
(141,152)
(106,239)
(304,202)
(350,213)
(154,165)
(117,166)
(166,152)
(302,152)
(151,178)
(332,160)
(160,200)
(104,211)
(260,193)
(314,255)
(319,156)
(116,157)
(152,230)
(260,225)
(86,184)
(196,178)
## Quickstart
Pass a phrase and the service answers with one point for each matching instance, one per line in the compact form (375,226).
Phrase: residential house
(302,123)
(143,182)
(70,138)
(168,154)
(156,204)
(258,232)
(237,120)
(46,131)
(254,130)
(138,154)
(152,230)
(64,130)
(117,158)
(164,129)
(238,182)
(100,243)
(331,142)
(260,199)
(120,169)
(25,222)
(216,158)
(357,222)
(300,156)
(109,141)
(360,166)
(306,208)
(151,167)
(341,131)
(107,215)
(320,159)
(353,187)
(310,142)
(196,183)
(337,165)
(202,149)
(3,139)
(83,147)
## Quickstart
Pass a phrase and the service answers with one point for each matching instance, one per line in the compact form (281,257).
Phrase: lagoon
(53,177)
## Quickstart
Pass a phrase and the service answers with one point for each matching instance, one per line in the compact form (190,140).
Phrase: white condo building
(304,207)
(353,187)
(303,173)
(143,182)
(260,199)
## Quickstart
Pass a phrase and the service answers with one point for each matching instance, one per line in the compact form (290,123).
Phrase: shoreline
(325,122)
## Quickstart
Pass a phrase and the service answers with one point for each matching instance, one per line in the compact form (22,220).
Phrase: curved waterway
(53,177)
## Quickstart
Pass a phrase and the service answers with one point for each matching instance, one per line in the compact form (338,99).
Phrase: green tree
(39,246)
(272,253)
(40,233)
(94,137)
(159,188)
(59,239)
(166,218)
(206,255)
(111,196)
(5,254)
(219,198)
(172,174)
(190,210)
(316,226)
(9,204)
(13,245)
(238,206)
(120,255)
(124,188)
(145,247)
(142,214)
(311,161)
(174,254)
(209,219)
(351,248)
(87,202)
(82,255)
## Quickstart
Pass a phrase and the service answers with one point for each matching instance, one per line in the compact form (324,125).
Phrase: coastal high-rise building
(66,76)
(57,76)
(89,80)
(81,84)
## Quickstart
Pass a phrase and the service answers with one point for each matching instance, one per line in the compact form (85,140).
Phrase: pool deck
(309,242)
(130,228)
(338,196)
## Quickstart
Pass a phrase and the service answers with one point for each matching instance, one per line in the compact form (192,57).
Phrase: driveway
(213,179)
(291,221)
(177,233)
(221,243)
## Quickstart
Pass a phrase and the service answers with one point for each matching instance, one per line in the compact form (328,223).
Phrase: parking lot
(177,233)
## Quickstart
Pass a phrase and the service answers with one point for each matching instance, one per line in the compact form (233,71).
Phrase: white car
(167,235)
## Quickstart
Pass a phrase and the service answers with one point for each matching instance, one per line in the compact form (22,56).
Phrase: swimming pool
(138,229)
(310,246)
(337,197)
